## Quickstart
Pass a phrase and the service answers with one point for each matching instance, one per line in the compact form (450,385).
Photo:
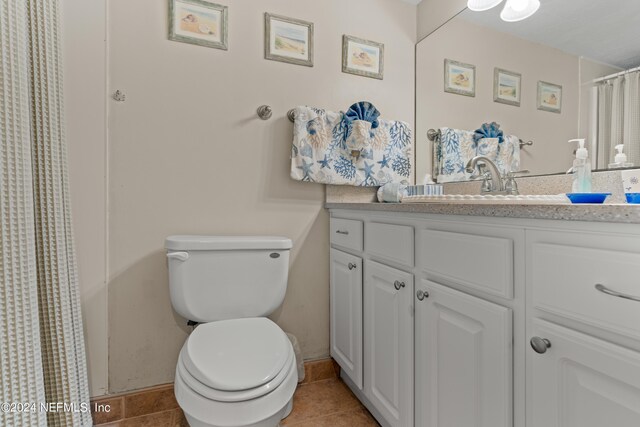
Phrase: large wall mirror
(566,72)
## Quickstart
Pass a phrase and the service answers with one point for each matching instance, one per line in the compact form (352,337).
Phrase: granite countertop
(611,212)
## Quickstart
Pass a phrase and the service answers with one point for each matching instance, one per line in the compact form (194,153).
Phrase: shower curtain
(42,353)
(619,118)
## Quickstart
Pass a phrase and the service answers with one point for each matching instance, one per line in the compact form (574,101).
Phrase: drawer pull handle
(605,290)
(398,285)
(352,266)
(540,345)
(346,233)
(421,295)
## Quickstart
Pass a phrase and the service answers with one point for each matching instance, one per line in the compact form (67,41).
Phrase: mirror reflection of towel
(457,147)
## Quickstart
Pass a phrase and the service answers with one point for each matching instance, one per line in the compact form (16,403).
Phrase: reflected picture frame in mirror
(507,87)
(549,97)
(459,78)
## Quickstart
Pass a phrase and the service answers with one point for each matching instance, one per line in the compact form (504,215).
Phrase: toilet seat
(236,360)
(232,396)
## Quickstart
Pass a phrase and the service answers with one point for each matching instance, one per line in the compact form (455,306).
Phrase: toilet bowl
(239,372)
(237,368)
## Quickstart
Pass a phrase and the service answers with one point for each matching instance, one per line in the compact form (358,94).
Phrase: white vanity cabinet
(464,323)
(463,360)
(582,381)
(489,322)
(388,342)
(346,313)
(345,297)
(583,361)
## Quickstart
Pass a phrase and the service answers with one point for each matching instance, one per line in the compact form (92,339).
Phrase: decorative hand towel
(455,149)
(353,148)
(508,159)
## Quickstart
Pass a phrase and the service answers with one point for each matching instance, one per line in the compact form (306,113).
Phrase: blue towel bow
(488,130)
(363,111)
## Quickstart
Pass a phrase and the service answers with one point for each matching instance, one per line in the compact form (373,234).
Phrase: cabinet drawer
(390,241)
(564,278)
(478,262)
(347,233)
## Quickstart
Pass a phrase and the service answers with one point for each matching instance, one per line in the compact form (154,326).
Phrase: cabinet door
(464,360)
(581,381)
(388,295)
(346,313)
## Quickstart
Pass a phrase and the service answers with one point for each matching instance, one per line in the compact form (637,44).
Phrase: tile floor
(327,403)
(322,400)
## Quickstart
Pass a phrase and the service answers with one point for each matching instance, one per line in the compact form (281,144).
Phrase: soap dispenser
(581,169)
(621,159)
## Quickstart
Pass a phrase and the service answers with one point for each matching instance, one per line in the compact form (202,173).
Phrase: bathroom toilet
(237,368)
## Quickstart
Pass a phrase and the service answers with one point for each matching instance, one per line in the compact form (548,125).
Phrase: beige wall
(486,48)
(188,155)
(434,13)
(84,36)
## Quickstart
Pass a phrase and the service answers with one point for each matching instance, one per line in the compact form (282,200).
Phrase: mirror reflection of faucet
(493,182)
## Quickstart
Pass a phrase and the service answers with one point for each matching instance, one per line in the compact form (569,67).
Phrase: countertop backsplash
(605,181)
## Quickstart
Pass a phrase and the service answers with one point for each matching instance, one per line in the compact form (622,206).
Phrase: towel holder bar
(433,135)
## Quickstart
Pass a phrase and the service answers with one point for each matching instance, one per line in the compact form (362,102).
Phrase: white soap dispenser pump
(621,159)
(581,168)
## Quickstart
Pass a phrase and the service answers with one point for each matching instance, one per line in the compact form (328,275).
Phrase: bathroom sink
(538,199)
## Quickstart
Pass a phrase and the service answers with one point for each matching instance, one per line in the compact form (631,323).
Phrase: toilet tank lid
(226,243)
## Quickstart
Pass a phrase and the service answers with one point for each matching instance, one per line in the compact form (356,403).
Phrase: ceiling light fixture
(517,10)
(482,5)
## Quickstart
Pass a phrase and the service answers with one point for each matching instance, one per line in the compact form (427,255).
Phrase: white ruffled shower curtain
(619,118)
(42,354)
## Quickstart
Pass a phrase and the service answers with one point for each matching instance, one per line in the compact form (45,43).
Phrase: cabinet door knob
(422,294)
(398,285)
(540,345)
(352,266)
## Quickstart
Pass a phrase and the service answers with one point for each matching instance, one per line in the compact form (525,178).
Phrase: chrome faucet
(493,181)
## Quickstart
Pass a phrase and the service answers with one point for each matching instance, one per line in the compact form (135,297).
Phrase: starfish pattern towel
(337,148)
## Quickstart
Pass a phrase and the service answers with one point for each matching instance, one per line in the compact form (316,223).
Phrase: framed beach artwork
(549,97)
(198,22)
(506,87)
(288,40)
(459,78)
(362,57)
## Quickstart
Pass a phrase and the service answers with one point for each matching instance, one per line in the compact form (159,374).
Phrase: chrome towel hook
(119,96)
(265,112)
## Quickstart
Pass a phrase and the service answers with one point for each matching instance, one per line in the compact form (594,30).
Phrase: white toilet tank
(227,277)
